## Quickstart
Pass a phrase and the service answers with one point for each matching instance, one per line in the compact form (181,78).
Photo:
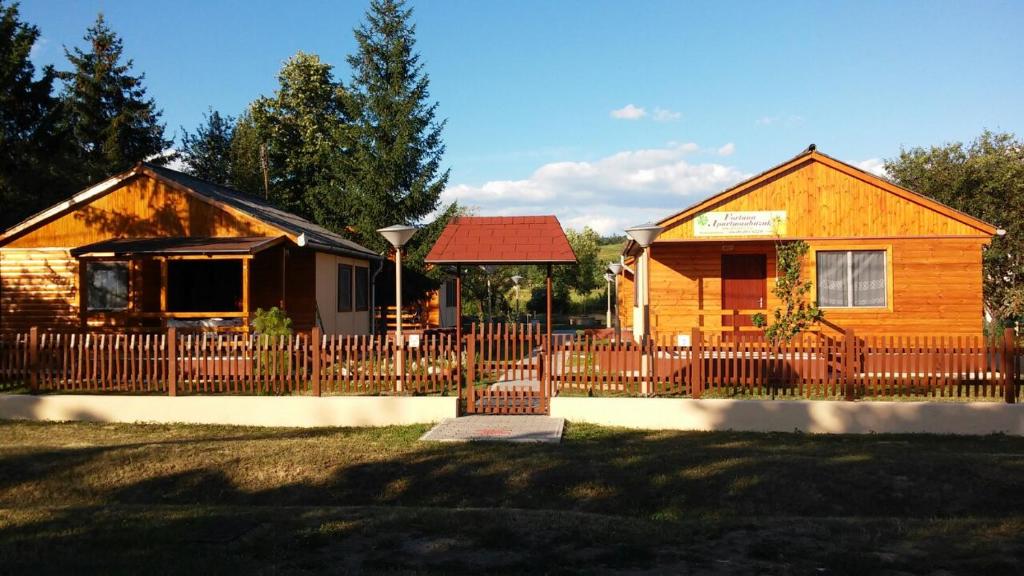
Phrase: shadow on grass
(610,498)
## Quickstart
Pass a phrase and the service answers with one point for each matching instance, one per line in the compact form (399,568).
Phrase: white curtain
(832,281)
(869,278)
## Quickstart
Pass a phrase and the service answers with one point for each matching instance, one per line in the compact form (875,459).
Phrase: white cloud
(607,194)
(39,48)
(665,115)
(766,120)
(727,150)
(874,165)
(629,112)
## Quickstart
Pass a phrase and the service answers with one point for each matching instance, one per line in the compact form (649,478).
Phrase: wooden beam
(245,290)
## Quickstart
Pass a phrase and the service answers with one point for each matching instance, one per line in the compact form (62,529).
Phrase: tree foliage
(796,313)
(207,152)
(585,276)
(302,126)
(984,178)
(393,172)
(34,154)
(112,122)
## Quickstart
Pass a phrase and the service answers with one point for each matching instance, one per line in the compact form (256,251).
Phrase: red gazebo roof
(502,240)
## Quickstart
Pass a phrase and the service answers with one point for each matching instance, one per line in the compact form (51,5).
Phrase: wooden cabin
(883,259)
(153,247)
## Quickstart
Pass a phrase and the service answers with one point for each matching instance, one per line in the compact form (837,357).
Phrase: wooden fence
(514,369)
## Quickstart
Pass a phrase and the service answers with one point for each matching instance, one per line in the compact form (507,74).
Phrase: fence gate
(505,370)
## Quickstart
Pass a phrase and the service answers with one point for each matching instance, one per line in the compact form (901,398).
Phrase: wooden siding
(300,283)
(141,207)
(38,288)
(935,286)
(824,202)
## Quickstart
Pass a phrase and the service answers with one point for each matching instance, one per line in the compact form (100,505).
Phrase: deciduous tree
(984,178)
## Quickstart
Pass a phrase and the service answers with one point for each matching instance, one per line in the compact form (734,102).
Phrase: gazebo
(502,240)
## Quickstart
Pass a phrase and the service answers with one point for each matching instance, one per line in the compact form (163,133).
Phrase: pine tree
(207,152)
(393,171)
(112,121)
(33,151)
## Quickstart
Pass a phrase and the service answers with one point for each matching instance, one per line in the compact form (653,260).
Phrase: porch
(192,283)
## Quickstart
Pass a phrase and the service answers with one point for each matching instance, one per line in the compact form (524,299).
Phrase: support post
(546,380)
(315,342)
(458,331)
(849,364)
(471,372)
(696,363)
(1009,366)
(399,341)
(33,359)
(246,262)
(172,361)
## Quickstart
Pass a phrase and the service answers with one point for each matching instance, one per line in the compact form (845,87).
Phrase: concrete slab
(497,429)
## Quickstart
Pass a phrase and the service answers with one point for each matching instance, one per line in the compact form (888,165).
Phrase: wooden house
(153,247)
(883,259)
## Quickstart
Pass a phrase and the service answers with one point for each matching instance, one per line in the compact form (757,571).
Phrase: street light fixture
(608,277)
(398,235)
(616,268)
(644,235)
(516,279)
(488,270)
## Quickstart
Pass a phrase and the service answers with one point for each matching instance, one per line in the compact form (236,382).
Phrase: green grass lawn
(93,498)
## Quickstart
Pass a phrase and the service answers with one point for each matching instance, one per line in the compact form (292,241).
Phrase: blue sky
(609,113)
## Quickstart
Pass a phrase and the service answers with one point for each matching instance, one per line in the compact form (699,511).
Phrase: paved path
(498,429)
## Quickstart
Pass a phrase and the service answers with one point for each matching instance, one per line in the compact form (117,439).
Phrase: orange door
(744,285)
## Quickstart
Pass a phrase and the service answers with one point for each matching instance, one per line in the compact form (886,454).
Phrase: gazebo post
(458,329)
(547,346)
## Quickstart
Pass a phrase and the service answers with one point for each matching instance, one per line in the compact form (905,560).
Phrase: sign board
(761,223)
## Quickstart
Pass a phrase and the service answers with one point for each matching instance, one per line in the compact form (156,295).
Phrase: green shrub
(274,322)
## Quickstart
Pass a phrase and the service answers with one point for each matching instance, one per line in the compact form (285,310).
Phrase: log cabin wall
(933,254)
(39,278)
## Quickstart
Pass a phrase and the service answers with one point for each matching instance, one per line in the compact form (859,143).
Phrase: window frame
(886,250)
(124,265)
(351,286)
(365,270)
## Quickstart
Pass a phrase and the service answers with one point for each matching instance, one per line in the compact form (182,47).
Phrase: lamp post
(515,286)
(608,277)
(644,236)
(488,270)
(616,268)
(398,235)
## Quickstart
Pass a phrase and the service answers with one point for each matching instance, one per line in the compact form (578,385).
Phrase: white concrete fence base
(833,417)
(290,411)
(817,416)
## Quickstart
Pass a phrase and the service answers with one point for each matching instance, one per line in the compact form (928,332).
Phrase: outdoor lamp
(644,235)
(515,286)
(398,235)
(608,277)
(616,268)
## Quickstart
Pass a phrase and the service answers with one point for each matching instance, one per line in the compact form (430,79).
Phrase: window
(344,288)
(106,286)
(852,279)
(204,286)
(362,288)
